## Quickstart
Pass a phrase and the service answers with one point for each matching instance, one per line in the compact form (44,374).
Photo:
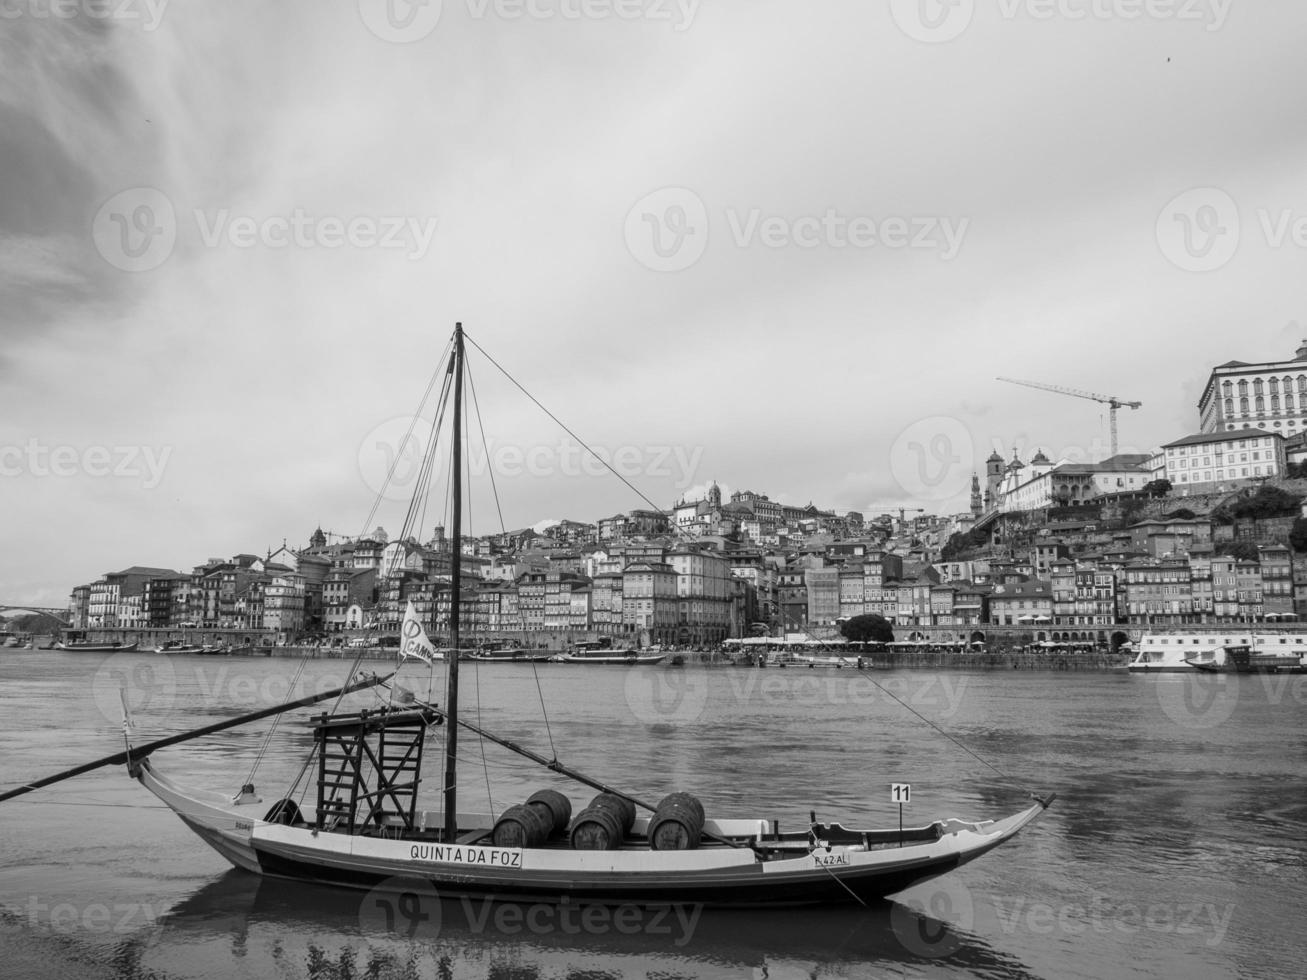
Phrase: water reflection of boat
(273,919)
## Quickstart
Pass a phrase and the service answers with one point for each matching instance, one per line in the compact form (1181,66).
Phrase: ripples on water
(1173,849)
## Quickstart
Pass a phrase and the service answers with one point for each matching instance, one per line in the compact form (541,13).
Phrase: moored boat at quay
(509,655)
(1231,650)
(116,646)
(178,646)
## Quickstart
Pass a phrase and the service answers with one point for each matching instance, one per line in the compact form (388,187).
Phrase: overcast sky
(785,246)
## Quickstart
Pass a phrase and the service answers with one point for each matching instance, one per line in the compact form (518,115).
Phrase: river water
(1177,846)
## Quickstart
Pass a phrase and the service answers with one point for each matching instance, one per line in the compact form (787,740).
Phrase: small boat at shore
(83,647)
(507,655)
(213,650)
(814,660)
(178,646)
(623,658)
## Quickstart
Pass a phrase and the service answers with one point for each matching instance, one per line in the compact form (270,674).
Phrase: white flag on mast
(413,640)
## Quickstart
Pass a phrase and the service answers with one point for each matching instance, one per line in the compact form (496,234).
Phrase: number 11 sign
(900,793)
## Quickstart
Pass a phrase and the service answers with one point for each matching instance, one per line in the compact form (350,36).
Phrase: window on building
(1243,405)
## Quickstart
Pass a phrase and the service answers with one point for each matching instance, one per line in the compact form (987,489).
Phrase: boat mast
(456,584)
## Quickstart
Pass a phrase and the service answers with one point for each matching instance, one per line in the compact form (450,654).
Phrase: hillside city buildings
(1058,547)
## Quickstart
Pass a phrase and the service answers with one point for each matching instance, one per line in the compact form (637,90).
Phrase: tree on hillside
(1242,550)
(868,628)
(1158,488)
(1298,535)
(1268,501)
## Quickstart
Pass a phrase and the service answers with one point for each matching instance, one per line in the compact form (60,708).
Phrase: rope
(485,768)
(376,504)
(485,445)
(276,719)
(557,421)
(126,806)
(843,884)
(941,731)
(535,670)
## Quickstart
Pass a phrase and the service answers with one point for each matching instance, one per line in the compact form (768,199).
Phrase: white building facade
(1215,461)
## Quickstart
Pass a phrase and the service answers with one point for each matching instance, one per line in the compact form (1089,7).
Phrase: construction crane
(1111,401)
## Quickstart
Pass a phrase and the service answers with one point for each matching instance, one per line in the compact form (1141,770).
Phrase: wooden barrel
(686,800)
(622,807)
(597,828)
(677,824)
(556,808)
(521,826)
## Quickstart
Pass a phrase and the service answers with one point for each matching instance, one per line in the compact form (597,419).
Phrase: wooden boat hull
(710,876)
(513,657)
(626,660)
(97,647)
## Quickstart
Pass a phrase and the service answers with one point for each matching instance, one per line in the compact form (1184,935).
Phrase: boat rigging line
(557,421)
(417,416)
(267,738)
(951,738)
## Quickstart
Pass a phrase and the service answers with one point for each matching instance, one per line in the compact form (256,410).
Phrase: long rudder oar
(141,751)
